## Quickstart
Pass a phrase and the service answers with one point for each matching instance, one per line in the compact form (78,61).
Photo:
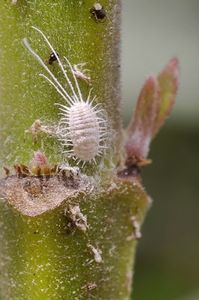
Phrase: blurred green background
(167,266)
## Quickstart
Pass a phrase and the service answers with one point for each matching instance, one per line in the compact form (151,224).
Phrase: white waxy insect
(81,73)
(96,252)
(82,128)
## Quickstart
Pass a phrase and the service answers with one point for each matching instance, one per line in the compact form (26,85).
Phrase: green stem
(44,259)
(47,256)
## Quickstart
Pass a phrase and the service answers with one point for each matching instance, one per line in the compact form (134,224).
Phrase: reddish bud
(140,128)
(39,165)
(154,105)
(40,159)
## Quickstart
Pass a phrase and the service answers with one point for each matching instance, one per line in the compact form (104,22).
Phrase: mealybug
(82,128)
(81,73)
(98,12)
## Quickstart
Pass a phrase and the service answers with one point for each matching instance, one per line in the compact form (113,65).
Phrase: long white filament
(59,61)
(38,58)
(75,79)
(52,83)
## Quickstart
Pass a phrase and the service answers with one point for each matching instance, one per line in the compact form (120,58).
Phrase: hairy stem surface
(56,253)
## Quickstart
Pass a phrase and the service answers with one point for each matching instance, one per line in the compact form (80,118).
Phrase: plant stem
(47,256)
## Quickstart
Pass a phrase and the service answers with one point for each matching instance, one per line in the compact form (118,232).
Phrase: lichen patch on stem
(34,195)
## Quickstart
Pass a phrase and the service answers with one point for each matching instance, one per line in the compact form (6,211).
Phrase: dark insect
(130,171)
(52,58)
(98,12)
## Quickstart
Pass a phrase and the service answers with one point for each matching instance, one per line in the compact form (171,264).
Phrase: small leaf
(154,105)
(168,83)
(140,129)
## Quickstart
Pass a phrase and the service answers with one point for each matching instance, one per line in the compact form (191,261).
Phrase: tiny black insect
(98,12)
(52,58)
(129,171)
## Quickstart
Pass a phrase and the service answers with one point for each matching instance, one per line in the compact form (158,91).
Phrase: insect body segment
(82,127)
